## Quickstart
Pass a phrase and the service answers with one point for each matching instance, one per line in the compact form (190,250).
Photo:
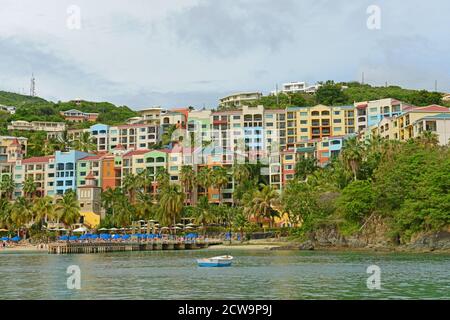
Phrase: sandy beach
(21,249)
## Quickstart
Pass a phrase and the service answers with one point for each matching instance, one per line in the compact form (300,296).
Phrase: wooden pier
(101,247)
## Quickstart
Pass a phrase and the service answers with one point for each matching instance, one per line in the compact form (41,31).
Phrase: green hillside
(38,109)
(346,93)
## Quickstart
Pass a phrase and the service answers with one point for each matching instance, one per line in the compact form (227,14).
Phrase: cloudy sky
(191,52)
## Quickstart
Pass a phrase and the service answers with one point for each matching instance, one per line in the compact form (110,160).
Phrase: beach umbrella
(80,229)
(64,238)
(84,237)
(5,238)
(73,238)
(3,230)
(116,236)
(126,236)
(94,236)
(102,229)
(15,239)
(113,229)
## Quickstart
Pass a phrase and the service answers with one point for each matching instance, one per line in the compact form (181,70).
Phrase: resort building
(89,197)
(237,100)
(74,115)
(438,124)
(41,170)
(369,113)
(297,87)
(53,129)
(66,170)
(9,109)
(12,149)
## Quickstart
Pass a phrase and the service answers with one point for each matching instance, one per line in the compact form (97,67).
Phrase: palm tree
(63,142)
(22,212)
(202,212)
(428,139)
(5,213)
(68,209)
(220,180)
(171,204)
(145,180)
(131,183)
(263,203)
(109,197)
(162,177)
(204,178)
(29,187)
(7,186)
(188,179)
(84,143)
(241,173)
(352,154)
(144,206)
(44,209)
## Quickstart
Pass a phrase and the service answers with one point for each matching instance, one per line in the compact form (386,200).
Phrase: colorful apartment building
(74,115)
(41,170)
(66,170)
(402,127)
(12,149)
(370,113)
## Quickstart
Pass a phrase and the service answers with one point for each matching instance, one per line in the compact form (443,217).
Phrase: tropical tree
(29,187)
(5,213)
(202,212)
(44,209)
(304,167)
(352,154)
(63,142)
(204,178)
(188,179)
(241,173)
(144,206)
(7,186)
(68,208)
(84,143)
(170,203)
(131,183)
(263,202)
(22,212)
(428,139)
(220,180)
(162,177)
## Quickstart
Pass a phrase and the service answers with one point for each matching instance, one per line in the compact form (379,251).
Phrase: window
(69,182)
(289,157)
(303,129)
(337,120)
(337,112)
(337,129)
(303,121)
(173,168)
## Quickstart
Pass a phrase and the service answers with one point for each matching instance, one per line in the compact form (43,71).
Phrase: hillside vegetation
(38,109)
(331,93)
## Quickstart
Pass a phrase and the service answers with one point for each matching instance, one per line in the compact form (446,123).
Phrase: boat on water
(221,261)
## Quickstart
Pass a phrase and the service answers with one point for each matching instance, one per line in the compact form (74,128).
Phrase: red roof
(15,142)
(94,157)
(38,159)
(136,152)
(90,176)
(430,108)
(119,147)
(361,106)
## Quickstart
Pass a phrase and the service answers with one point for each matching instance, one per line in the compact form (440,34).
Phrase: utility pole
(435,85)
(362,78)
(276,93)
(33,86)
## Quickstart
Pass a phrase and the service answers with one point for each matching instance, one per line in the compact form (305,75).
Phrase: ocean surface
(254,275)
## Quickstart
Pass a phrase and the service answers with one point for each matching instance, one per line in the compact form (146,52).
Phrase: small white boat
(221,261)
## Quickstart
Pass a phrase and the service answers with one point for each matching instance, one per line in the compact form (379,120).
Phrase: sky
(177,53)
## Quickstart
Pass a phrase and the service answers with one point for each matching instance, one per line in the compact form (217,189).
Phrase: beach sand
(21,249)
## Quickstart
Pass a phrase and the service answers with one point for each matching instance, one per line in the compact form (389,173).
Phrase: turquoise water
(254,275)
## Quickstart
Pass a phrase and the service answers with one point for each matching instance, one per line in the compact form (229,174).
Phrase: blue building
(65,167)
(100,136)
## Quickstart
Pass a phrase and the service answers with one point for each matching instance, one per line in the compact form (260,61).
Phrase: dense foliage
(346,93)
(37,109)
(407,184)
